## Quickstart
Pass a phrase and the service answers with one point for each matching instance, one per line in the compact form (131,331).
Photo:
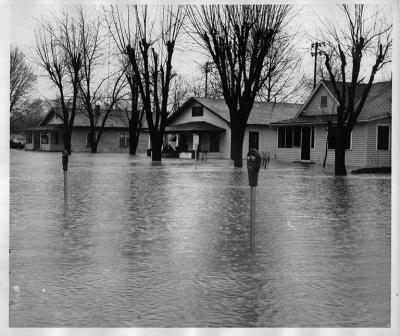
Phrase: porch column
(177,140)
(149,142)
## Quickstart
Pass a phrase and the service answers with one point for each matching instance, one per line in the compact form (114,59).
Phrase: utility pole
(207,70)
(314,54)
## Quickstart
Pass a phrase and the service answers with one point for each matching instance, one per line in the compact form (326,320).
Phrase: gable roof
(377,105)
(262,113)
(116,119)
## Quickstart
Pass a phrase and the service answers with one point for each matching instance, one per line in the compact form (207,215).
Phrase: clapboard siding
(354,157)
(377,158)
(266,137)
(186,116)
(109,141)
(313,107)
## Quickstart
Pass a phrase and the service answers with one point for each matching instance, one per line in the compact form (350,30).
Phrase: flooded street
(142,245)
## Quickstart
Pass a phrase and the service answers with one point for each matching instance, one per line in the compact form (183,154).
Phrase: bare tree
(281,68)
(149,45)
(363,34)
(58,52)
(92,79)
(238,39)
(135,115)
(22,80)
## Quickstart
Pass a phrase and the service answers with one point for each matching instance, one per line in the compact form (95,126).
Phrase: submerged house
(305,137)
(206,122)
(48,135)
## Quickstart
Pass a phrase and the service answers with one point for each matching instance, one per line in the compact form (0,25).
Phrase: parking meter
(65,160)
(253,166)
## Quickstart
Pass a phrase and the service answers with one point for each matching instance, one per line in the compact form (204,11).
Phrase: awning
(196,126)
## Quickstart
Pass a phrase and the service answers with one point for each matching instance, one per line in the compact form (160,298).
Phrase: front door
(305,143)
(253,140)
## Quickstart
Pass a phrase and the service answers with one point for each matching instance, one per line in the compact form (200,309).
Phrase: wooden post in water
(253,167)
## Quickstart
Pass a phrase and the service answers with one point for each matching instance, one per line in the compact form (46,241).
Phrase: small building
(48,135)
(206,121)
(305,137)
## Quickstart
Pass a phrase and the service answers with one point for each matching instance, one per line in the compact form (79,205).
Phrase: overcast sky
(24,15)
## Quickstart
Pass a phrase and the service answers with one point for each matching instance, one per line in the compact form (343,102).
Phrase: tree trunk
(340,154)
(133,136)
(156,144)
(237,136)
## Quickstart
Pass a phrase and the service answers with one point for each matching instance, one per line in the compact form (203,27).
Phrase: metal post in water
(64,158)
(253,167)
(65,186)
(252,219)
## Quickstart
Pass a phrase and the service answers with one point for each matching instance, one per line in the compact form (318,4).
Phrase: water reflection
(167,245)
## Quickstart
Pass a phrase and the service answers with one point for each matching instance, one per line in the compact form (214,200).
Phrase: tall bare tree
(135,113)
(281,68)
(364,34)
(22,80)
(58,52)
(93,80)
(147,35)
(238,39)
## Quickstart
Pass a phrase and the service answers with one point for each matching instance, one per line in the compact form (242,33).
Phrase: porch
(48,139)
(184,140)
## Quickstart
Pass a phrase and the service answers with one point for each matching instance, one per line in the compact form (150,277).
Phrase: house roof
(197,126)
(116,119)
(262,113)
(378,104)
(307,120)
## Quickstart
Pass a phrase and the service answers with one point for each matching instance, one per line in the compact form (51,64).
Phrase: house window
(324,101)
(28,137)
(281,137)
(45,138)
(214,142)
(197,111)
(55,137)
(312,136)
(331,140)
(382,137)
(123,140)
(285,137)
(296,136)
(289,137)
(253,140)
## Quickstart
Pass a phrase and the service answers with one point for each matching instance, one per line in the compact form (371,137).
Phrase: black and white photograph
(199,168)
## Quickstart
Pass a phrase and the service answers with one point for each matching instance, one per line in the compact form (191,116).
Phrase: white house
(208,121)
(304,137)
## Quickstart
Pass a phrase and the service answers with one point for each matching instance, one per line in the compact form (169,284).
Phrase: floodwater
(167,245)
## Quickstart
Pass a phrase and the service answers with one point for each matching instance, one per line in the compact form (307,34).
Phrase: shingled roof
(378,105)
(262,113)
(116,119)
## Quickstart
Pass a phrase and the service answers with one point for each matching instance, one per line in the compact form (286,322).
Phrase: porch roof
(53,127)
(196,126)
(306,120)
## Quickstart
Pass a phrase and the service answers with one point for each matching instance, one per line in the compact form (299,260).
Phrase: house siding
(109,141)
(314,106)
(378,158)
(354,157)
